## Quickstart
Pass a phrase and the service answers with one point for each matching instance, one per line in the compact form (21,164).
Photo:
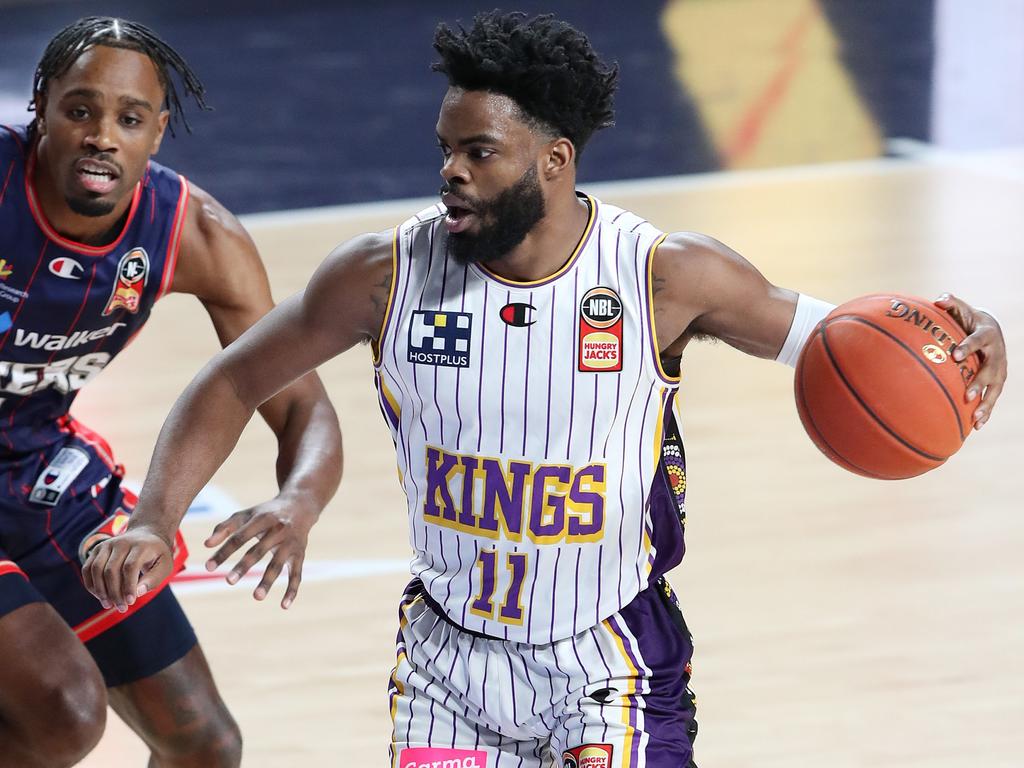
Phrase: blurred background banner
(321,103)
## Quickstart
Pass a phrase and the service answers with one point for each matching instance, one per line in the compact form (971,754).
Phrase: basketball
(878,390)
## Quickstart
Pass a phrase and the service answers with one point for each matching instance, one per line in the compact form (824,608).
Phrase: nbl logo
(440,338)
(601,307)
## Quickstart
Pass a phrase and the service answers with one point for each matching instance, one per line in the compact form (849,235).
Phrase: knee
(74,715)
(215,742)
(224,744)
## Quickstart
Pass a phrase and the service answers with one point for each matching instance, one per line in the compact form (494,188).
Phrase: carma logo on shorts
(429,757)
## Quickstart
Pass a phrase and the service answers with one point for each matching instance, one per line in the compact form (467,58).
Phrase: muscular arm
(703,288)
(219,264)
(341,306)
(334,312)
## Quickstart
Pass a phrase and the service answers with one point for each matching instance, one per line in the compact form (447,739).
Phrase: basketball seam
(918,360)
(849,386)
(817,431)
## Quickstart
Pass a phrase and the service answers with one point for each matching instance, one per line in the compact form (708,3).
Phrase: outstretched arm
(220,265)
(336,311)
(703,288)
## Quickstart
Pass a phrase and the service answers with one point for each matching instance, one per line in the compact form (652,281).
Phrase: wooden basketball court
(838,621)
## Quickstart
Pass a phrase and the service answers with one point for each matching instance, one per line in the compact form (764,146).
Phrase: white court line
(312,570)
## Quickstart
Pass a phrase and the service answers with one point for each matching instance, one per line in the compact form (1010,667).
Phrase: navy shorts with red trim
(54,505)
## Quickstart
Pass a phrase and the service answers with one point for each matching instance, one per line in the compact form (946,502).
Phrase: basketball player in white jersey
(526,339)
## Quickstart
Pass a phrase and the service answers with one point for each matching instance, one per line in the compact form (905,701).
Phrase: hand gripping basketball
(881,388)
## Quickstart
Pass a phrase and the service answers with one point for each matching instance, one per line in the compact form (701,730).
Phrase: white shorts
(613,696)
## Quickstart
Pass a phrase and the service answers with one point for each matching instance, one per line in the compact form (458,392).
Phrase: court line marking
(196,580)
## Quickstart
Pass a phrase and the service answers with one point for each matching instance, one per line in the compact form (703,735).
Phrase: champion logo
(66,267)
(519,315)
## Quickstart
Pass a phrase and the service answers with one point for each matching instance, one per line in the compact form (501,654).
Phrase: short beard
(89,207)
(512,213)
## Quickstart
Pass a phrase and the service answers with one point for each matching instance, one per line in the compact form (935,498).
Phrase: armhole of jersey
(174,241)
(377,346)
(16,137)
(655,352)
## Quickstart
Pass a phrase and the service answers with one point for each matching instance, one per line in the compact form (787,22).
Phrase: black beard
(505,221)
(89,206)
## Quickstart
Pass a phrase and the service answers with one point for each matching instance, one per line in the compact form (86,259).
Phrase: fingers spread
(255,528)
(227,527)
(270,576)
(294,579)
(253,556)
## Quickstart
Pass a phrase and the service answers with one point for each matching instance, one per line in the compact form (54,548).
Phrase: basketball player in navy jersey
(92,233)
(526,339)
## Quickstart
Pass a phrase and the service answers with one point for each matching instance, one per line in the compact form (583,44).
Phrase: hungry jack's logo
(588,756)
(600,343)
(132,274)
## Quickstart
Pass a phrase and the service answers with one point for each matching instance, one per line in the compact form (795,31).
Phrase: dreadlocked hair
(75,39)
(546,66)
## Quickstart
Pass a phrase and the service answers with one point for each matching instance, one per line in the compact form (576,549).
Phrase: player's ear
(40,110)
(162,123)
(559,158)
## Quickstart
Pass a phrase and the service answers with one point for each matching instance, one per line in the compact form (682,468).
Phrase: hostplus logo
(440,338)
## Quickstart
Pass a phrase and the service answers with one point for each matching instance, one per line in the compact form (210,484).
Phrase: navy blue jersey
(66,309)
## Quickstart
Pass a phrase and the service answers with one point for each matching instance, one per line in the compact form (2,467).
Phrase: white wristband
(809,312)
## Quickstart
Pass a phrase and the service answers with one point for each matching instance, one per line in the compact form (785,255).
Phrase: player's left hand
(986,338)
(279,526)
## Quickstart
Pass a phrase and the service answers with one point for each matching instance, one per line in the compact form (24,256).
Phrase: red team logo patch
(132,272)
(600,331)
(429,757)
(588,756)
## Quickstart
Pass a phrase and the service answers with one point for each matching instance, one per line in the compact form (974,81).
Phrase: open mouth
(458,219)
(98,178)
(460,216)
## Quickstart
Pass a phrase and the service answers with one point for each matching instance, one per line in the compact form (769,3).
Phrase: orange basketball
(878,390)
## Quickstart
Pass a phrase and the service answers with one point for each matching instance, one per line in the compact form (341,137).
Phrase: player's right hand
(123,568)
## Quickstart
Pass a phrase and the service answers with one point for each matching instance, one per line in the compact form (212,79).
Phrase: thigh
(635,709)
(48,685)
(435,722)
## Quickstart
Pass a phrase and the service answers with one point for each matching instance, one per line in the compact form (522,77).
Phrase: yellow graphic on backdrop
(766,77)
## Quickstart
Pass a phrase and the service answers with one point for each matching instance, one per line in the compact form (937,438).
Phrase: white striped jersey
(529,422)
